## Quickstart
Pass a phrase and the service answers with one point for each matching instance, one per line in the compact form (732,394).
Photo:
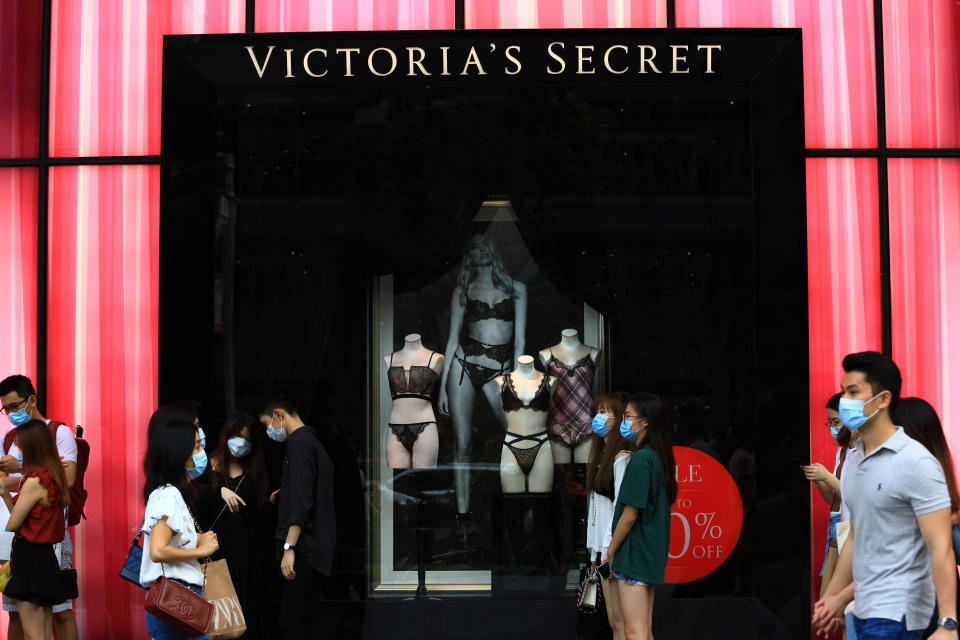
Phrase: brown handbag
(177,606)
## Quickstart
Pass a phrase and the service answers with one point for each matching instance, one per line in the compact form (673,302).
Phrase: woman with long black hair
(172,544)
(243,527)
(641,530)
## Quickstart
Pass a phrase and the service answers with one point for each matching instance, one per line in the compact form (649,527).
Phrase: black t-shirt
(306,499)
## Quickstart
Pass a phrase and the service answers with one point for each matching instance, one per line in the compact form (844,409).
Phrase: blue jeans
(162,631)
(883,629)
(851,627)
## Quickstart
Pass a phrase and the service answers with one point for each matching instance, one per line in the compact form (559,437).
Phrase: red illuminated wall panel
(102,365)
(925,282)
(921,40)
(557,14)
(353,15)
(843,274)
(105,69)
(20,33)
(838,59)
(18,274)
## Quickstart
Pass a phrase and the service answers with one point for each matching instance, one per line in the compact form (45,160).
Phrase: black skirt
(34,574)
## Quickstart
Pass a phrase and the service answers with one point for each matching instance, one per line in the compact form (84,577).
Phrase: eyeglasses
(831,423)
(7,410)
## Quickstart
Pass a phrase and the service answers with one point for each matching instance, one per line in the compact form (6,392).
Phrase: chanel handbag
(587,595)
(179,607)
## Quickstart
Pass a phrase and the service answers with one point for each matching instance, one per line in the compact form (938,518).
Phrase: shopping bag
(228,621)
(5,575)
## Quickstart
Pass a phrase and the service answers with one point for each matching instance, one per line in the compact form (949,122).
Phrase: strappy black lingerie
(408,433)
(479,374)
(525,456)
(418,382)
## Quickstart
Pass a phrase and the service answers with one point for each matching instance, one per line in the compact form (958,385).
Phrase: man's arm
(935,528)
(839,592)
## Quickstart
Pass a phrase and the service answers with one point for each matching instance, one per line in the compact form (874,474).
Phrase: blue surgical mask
(203,437)
(277,435)
(600,425)
(835,431)
(199,465)
(851,412)
(626,432)
(19,417)
(238,446)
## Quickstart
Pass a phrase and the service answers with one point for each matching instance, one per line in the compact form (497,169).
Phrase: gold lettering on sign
(306,63)
(445,51)
(289,53)
(473,59)
(418,62)
(256,65)
(709,48)
(645,59)
(512,59)
(606,58)
(393,62)
(678,58)
(553,54)
(348,52)
(581,58)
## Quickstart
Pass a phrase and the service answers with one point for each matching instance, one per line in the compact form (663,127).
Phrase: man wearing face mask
(20,405)
(898,559)
(306,526)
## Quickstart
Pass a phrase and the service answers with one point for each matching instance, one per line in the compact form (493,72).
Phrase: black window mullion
(43,183)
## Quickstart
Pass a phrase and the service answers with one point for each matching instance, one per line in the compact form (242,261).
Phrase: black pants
(300,610)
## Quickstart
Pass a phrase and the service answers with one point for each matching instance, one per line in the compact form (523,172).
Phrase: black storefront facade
(319,193)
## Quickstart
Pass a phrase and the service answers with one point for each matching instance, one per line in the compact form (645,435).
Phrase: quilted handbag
(588,596)
(179,607)
(130,571)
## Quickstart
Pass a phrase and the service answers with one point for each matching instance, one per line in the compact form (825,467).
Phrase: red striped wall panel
(20,34)
(102,365)
(353,15)
(564,14)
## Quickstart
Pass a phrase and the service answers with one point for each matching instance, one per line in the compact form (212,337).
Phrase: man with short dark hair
(20,405)
(307,524)
(899,507)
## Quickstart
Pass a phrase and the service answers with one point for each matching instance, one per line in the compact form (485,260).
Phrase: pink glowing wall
(102,281)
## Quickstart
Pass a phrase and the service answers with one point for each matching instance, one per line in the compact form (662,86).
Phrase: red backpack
(78,495)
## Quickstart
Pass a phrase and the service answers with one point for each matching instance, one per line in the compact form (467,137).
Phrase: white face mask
(277,435)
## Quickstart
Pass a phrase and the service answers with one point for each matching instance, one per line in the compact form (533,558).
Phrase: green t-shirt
(643,554)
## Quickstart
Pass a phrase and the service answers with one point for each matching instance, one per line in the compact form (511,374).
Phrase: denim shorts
(162,631)
(884,629)
(630,581)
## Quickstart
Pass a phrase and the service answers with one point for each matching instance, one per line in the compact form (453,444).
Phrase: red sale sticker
(706,518)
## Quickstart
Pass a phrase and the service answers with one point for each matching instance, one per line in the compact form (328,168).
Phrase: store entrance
(622,230)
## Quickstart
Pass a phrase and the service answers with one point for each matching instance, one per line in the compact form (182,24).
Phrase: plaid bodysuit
(571,405)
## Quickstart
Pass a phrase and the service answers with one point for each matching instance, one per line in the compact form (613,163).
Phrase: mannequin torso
(412,376)
(571,408)
(525,461)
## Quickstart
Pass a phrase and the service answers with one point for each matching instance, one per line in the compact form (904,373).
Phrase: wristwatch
(950,624)
(290,547)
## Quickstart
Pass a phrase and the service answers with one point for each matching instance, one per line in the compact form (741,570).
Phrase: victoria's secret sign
(504,59)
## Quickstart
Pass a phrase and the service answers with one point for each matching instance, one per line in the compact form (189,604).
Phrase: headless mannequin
(413,411)
(568,352)
(526,382)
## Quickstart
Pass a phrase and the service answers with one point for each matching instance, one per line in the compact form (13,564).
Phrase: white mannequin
(413,411)
(569,352)
(526,382)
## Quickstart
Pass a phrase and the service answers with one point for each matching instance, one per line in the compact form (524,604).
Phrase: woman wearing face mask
(641,520)
(172,545)
(828,485)
(606,467)
(244,524)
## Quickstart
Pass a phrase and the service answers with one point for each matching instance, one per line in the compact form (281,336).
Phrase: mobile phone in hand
(603,570)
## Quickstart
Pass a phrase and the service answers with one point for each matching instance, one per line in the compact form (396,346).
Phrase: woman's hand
(443,404)
(207,544)
(232,499)
(273,496)
(816,472)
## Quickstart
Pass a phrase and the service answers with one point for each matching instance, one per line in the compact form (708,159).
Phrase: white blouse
(167,501)
(600,511)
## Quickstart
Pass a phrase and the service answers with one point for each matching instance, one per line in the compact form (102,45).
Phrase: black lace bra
(480,310)
(416,382)
(512,402)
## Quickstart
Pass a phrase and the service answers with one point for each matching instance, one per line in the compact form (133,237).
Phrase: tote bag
(227,621)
